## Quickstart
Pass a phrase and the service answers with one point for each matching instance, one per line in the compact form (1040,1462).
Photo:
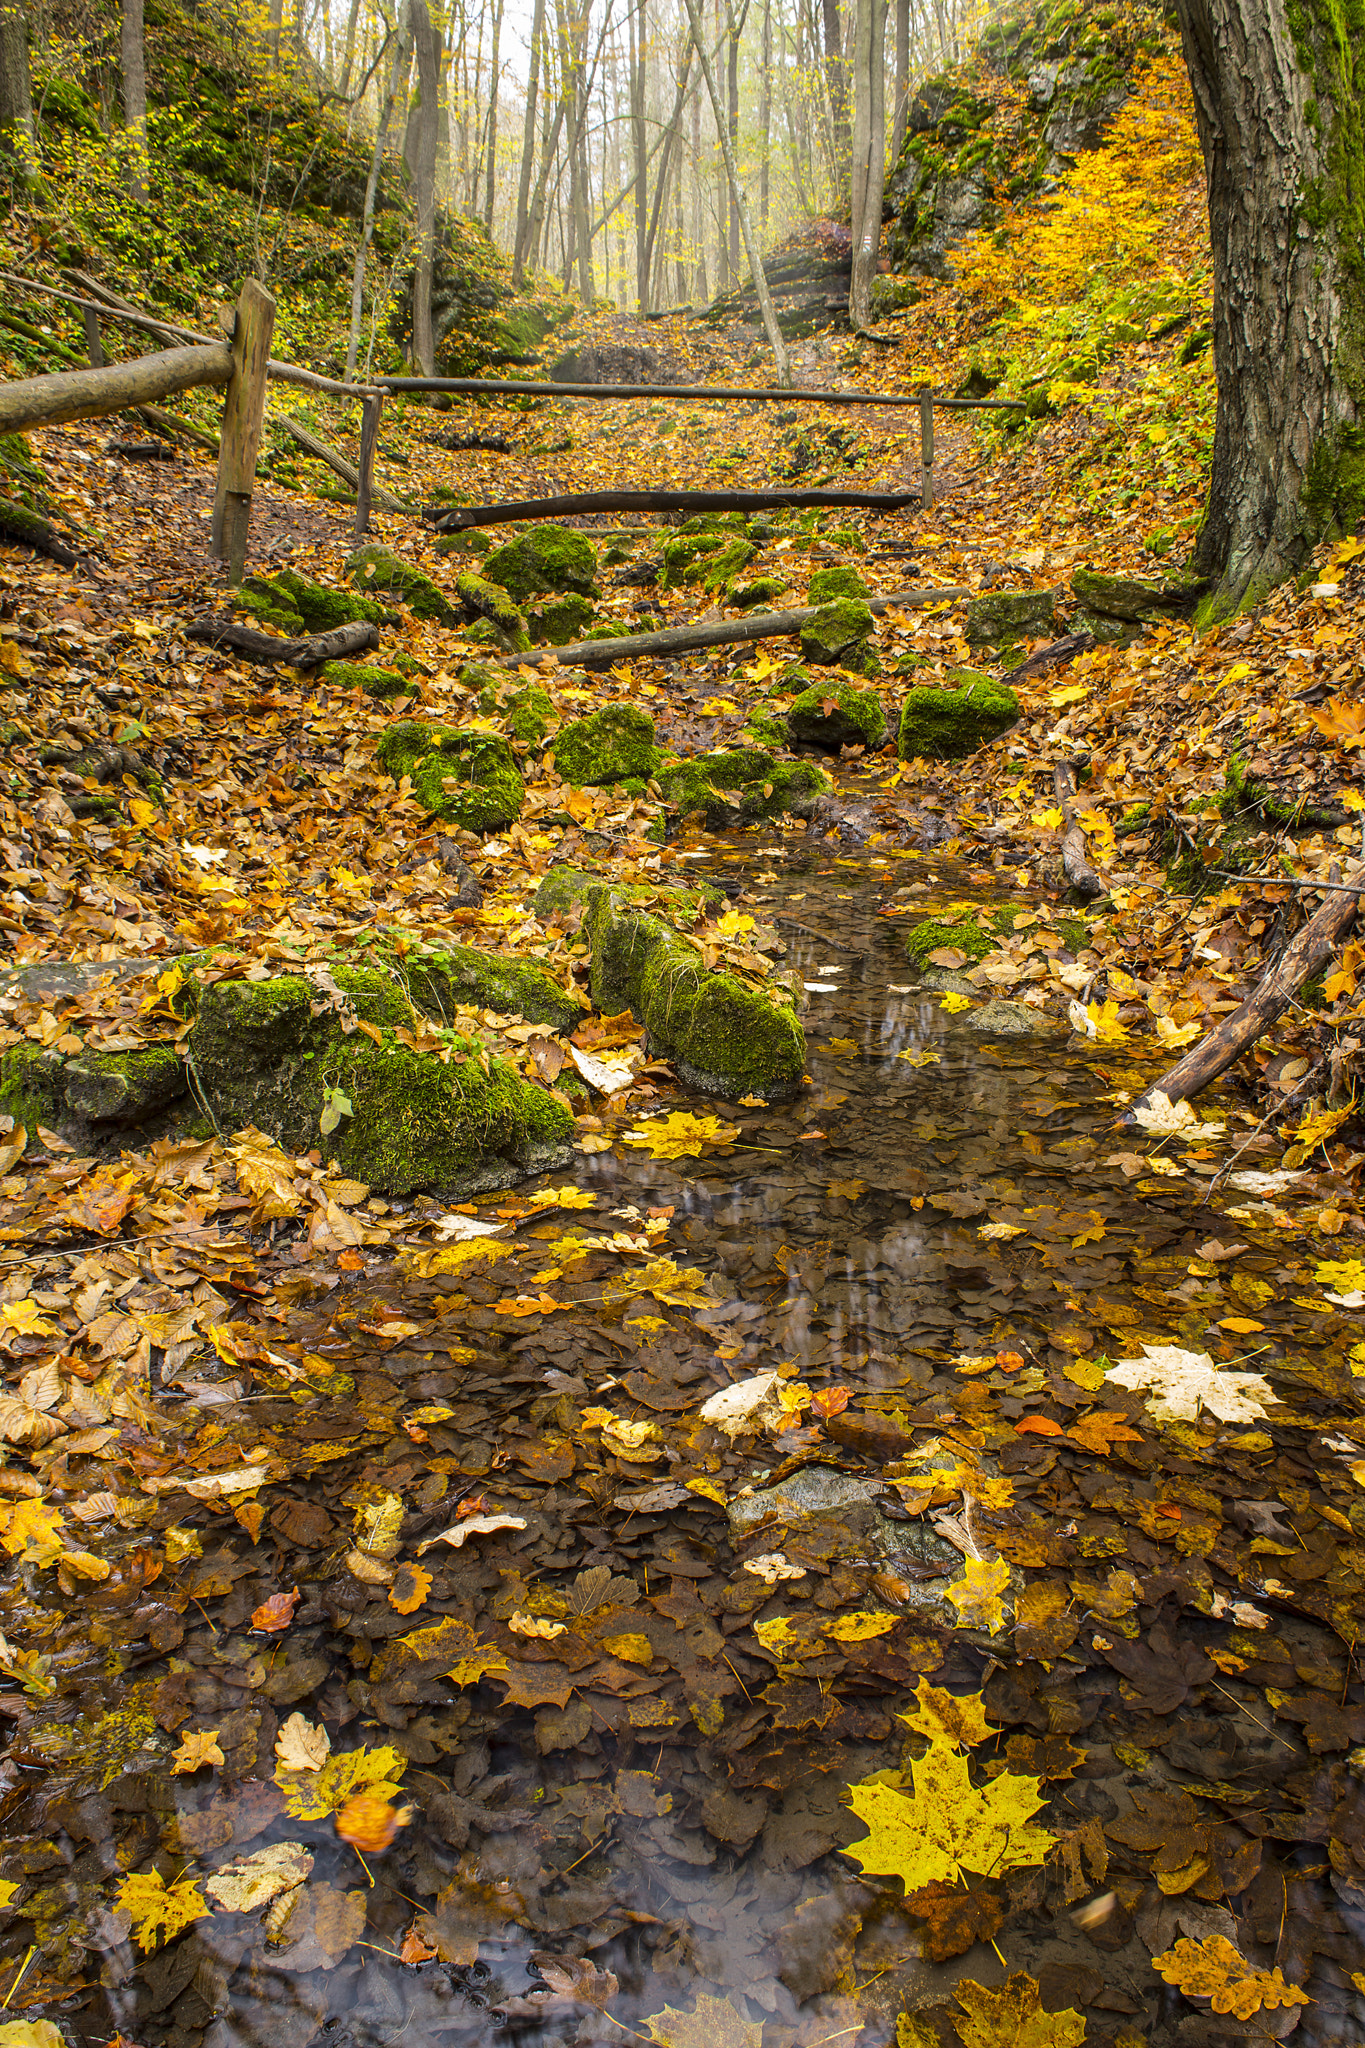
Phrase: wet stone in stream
(584,1703)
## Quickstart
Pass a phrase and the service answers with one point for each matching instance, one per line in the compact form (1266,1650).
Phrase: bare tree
(492,125)
(419,149)
(869,155)
(765,118)
(397,82)
(134,97)
(528,145)
(836,77)
(637,27)
(17,136)
(902,101)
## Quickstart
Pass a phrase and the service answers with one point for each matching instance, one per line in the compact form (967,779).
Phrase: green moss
(762,593)
(471,779)
(966,936)
(490,602)
(762,729)
(1129,598)
(837,714)
(124,1087)
(359,675)
(375,568)
(1001,616)
(939,725)
(569,618)
(842,581)
(22,476)
(260,600)
(614,743)
(730,562)
(547,558)
(443,980)
(270,1053)
(32,1089)
(1334,487)
(708,783)
(526,713)
(721,1036)
(1245,795)
(566,889)
(840,635)
(293,605)
(609,629)
(684,559)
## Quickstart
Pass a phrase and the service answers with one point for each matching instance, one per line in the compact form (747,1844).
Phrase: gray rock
(1003,615)
(1012,1020)
(812,1492)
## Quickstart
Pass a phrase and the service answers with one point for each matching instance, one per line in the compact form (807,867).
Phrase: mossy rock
(491,603)
(730,562)
(359,675)
(526,713)
(833,715)
(547,558)
(262,600)
(293,605)
(21,475)
(947,725)
(1132,599)
(827,585)
(568,618)
(567,889)
(684,559)
(765,729)
(763,592)
(741,786)
(966,935)
(613,745)
(839,636)
(442,980)
(91,1095)
(470,779)
(999,617)
(610,629)
(721,1036)
(268,1053)
(375,568)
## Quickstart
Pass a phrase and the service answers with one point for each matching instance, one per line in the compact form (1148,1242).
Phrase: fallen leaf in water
(976,1595)
(196,1749)
(1179,1385)
(536,1625)
(474,1525)
(1011,2016)
(1100,1431)
(369,1823)
(156,1908)
(570,1981)
(410,1588)
(772,1567)
(712,2023)
(276,1613)
(954,1919)
(945,1824)
(247,1882)
(300,1746)
(949,1717)
(681,1135)
(1215,1970)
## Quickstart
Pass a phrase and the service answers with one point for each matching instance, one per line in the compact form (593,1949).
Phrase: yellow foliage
(158,1908)
(944,1718)
(681,1135)
(1011,2015)
(1213,1969)
(976,1595)
(312,1795)
(945,1824)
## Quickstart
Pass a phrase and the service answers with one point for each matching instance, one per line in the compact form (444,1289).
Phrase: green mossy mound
(840,636)
(721,1036)
(828,585)
(442,980)
(374,568)
(947,725)
(732,560)
(685,558)
(965,936)
(742,786)
(92,1094)
(470,779)
(833,715)
(750,597)
(359,675)
(765,729)
(566,889)
(271,1053)
(490,602)
(616,744)
(526,712)
(570,618)
(1001,616)
(293,605)
(609,629)
(1131,599)
(546,558)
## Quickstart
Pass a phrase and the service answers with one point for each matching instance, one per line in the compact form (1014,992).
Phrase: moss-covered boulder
(470,779)
(828,585)
(833,715)
(839,636)
(765,729)
(1131,599)
(90,1094)
(275,1054)
(293,605)
(526,712)
(545,558)
(360,675)
(763,593)
(442,980)
(947,725)
(567,889)
(568,618)
(934,934)
(491,603)
(684,558)
(742,786)
(730,561)
(616,744)
(999,617)
(377,570)
(721,1035)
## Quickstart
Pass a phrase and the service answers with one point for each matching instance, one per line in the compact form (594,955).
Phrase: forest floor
(373,1563)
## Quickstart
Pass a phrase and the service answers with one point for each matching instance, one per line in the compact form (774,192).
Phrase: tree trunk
(765,119)
(1279,95)
(134,98)
(528,149)
(869,157)
(836,75)
(732,128)
(402,58)
(493,121)
(536,219)
(638,79)
(348,49)
(902,112)
(672,140)
(774,333)
(421,157)
(16,99)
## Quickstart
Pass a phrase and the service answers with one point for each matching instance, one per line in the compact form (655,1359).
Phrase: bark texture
(16,100)
(134,97)
(1278,89)
(420,151)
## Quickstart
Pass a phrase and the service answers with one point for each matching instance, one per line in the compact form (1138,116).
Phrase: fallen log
(84,394)
(1075,861)
(321,451)
(1306,953)
(716,633)
(573,504)
(163,422)
(30,530)
(338,645)
(1057,654)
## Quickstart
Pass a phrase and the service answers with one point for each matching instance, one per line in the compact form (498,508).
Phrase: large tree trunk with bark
(1279,96)
(16,100)
(528,147)
(398,77)
(134,98)
(869,156)
(836,75)
(420,151)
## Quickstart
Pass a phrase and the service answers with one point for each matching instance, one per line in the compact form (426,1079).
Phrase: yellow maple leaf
(28,1529)
(480,1664)
(562,1198)
(1319,1125)
(265,1175)
(27,1318)
(945,1824)
(1049,820)
(1011,2015)
(945,1718)
(312,1795)
(681,1136)
(976,1595)
(713,2023)
(953,1002)
(1215,1970)
(1105,1018)
(158,1908)
(197,1748)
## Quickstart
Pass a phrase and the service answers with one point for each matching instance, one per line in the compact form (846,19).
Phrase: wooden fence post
(926,448)
(94,344)
(243,418)
(369,437)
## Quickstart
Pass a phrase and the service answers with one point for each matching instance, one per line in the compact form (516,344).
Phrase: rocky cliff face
(1040,88)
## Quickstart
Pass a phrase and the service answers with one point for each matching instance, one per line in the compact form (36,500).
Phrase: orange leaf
(1100,1432)
(409,1589)
(369,1823)
(413,1949)
(277,1612)
(1009,1361)
(830,1401)
(1038,1425)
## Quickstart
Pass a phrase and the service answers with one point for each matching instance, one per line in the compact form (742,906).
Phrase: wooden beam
(926,449)
(512,387)
(460,517)
(369,441)
(243,418)
(87,394)
(322,451)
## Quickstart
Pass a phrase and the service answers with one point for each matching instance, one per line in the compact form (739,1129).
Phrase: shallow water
(660,1792)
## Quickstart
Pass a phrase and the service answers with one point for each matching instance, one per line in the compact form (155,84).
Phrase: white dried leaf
(473,1525)
(247,1882)
(460,1229)
(301,1746)
(535,1625)
(772,1567)
(1167,1119)
(747,1405)
(1180,1384)
(608,1077)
